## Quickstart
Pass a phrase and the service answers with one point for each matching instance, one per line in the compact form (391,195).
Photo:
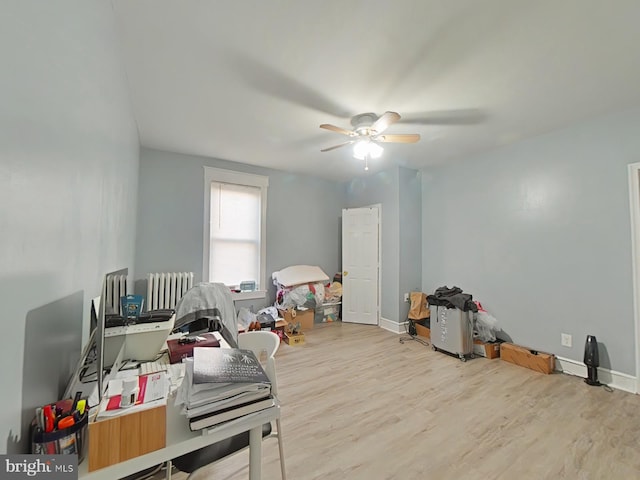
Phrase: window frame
(212,174)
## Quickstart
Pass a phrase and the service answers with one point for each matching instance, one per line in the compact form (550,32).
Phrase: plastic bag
(486,327)
(307,295)
(246,317)
(419,307)
(333,293)
(273,311)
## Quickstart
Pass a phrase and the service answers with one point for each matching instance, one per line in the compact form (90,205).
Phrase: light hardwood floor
(358,404)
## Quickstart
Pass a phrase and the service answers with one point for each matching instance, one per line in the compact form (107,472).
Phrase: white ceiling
(251,81)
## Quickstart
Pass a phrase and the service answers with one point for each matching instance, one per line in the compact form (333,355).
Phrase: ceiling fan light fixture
(366,135)
(375,150)
(367,149)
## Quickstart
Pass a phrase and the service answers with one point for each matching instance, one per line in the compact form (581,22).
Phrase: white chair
(264,345)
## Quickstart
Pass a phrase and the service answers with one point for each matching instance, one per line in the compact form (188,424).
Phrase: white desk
(181,440)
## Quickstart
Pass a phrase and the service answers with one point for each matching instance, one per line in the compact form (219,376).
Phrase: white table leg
(255,453)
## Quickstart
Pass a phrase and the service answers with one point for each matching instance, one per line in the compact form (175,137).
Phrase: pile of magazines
(222,384)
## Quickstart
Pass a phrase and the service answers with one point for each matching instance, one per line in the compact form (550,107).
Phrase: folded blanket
(205,300)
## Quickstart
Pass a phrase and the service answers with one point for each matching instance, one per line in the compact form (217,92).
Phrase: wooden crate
(526,357)
(423,331)
(487,350)
(297,339)
(130,435)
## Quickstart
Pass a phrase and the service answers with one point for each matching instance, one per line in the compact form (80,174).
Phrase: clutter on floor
(458,325)
(305,296)
(454,322)
(299,286)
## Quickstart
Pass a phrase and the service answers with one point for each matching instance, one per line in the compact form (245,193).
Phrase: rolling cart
(452,331)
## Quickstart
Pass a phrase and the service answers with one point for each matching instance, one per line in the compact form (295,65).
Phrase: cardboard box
(525,357)
(487,350)
(130,435)
(294,339)
(304,317)
(278,329)
(423,331)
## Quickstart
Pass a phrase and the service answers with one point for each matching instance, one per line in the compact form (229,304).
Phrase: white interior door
(360,257)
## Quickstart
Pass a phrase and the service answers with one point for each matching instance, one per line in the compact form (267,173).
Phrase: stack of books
(222,384)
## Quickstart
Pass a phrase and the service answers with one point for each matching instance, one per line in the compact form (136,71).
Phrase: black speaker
(591,360)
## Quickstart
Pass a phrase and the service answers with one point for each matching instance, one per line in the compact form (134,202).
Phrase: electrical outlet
(565,340)
(406,297)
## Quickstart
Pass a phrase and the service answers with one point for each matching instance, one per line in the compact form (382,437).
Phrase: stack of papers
(221,384)
(153,390)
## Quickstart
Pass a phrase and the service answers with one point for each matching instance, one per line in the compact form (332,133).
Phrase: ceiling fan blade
(333,128)
(398,138)
(270,81)
(337,146)
(382,123)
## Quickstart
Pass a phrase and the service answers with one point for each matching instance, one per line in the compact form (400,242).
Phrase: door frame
(377,206)
(634,205)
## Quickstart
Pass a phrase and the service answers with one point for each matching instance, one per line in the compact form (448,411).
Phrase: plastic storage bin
(327,312)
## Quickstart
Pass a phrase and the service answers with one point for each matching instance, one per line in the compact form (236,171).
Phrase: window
(235,207)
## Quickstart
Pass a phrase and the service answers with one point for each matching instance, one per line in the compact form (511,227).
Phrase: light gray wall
(410,227)
(68,182)
(383,188)
(303,217)
(539,232)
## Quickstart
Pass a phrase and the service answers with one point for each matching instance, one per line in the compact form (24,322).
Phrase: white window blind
(235,211)
(235,233)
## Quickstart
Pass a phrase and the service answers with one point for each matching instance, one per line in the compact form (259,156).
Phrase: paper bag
(419,307)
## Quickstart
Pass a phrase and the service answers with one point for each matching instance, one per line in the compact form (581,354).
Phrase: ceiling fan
(368,131)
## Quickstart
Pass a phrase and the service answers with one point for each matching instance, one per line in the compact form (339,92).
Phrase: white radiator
(116,287)
(165,289)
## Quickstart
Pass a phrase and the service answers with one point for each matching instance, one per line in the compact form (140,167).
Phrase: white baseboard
(617,380)
(392,326)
